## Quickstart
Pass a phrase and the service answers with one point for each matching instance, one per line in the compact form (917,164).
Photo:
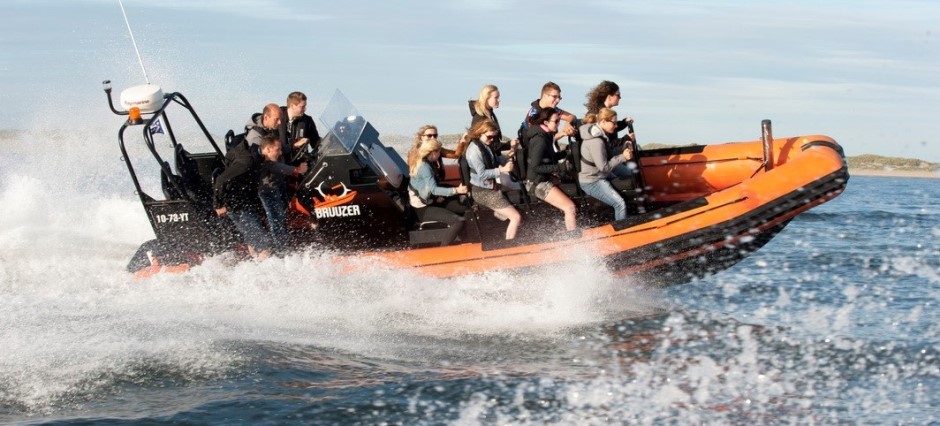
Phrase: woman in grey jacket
(597,165)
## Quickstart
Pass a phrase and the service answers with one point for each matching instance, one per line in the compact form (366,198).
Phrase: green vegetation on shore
(879,162)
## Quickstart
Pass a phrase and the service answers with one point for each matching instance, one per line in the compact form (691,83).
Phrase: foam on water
(73,322)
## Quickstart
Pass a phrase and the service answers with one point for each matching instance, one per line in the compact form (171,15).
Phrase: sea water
(835,320)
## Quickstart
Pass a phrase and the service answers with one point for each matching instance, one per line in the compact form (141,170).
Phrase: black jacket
(541,158)
(302,127)
(476,118)
(237,187)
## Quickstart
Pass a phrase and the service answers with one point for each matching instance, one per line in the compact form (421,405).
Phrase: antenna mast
(139,60)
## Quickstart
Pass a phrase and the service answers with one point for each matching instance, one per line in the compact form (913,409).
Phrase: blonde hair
(423,151)
(417,144)
(605,114)
(481,106)
(295,98)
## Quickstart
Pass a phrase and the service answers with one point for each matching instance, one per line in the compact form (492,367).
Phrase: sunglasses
(430,136)
(490,136)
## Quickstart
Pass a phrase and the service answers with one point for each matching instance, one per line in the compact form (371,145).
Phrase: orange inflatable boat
(695,210)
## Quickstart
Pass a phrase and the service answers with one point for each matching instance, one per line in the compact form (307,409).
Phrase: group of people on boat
(278,140)
(274,147)
(488,161)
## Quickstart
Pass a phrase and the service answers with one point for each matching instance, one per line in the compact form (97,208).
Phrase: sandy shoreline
(895,173)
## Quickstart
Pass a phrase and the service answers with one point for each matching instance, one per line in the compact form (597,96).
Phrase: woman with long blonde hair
(429,131)
(431,201)
(483,109)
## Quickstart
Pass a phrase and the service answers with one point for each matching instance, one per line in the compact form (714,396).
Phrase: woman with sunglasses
(486,164)
(431,201)
(426,132)
(543,166)
(598,164)
(607,95)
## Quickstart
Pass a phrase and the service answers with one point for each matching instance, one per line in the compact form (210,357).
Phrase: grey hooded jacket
(594,150)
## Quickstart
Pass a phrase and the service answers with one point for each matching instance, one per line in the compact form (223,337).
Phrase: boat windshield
(358,137)
(344,121)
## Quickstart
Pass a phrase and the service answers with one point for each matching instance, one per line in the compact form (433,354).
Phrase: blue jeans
(248,223)
(622,171)
(276,209)
(604,191)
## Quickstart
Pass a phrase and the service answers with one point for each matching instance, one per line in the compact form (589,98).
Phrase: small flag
(156,127)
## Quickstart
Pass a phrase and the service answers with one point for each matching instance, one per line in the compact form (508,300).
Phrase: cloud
(256,9)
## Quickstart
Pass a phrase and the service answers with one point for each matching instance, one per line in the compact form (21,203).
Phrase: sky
(864,72)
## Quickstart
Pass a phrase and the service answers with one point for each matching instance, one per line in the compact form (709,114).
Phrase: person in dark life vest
(272,188)
(483,108)
(485,164)
(297,130)
(550,98)
(543,164)
(235,195)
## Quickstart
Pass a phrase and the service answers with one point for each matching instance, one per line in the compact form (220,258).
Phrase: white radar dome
(147,97)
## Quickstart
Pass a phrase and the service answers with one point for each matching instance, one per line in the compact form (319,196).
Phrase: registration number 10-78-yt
(172,217)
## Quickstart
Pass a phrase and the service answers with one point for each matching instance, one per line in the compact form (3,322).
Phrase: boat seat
(170,191)
(196,173)
(428,234)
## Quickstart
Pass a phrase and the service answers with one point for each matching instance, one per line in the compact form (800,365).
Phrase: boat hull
(727,209)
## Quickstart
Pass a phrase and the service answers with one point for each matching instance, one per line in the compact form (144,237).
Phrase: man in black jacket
(298,131)
(236,195)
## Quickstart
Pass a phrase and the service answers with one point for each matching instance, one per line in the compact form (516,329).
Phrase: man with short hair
(264,124)
(272,188)
(550,98)
(235,194)
(298,131)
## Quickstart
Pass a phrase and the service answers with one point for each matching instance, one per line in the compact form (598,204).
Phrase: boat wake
(74,323)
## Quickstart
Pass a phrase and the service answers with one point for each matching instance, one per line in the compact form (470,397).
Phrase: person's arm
(280,168)
(567,116)
(427,186)
(597,153)
(623,124)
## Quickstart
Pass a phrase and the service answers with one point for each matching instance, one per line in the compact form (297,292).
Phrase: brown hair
(599,94)
(480,128)
(550,86)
